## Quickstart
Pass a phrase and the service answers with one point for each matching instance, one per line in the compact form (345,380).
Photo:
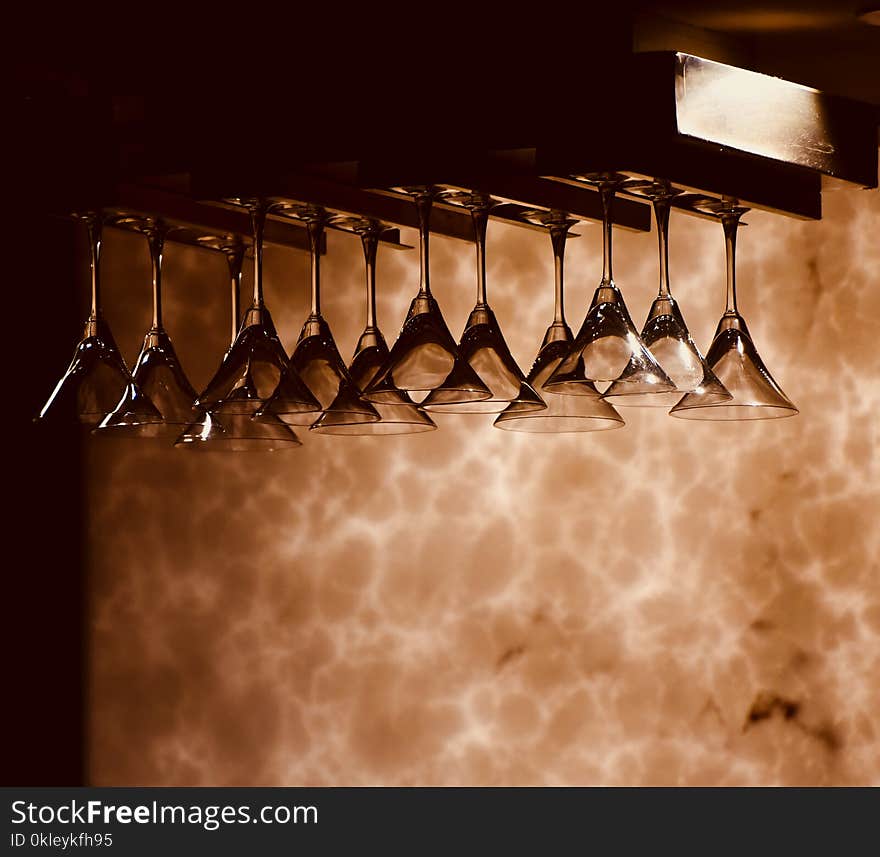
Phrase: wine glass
(402,416)
(585,411)
(316,361)
(97,380)
(252,368)
(425,357)
(665,333)
(157,370)
(235,432)
(608,343)
(733,356)
(482,344)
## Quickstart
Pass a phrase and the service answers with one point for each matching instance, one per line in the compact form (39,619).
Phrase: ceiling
(821,43)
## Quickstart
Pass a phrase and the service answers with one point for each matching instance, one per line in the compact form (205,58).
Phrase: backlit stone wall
(672,603)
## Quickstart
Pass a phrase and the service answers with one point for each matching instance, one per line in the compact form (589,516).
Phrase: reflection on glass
(157,371)
(251,369)
(425,358)
(666,334)
(396,416)
(97,381)
(608,343)
(316,361)
(482,344)
(564,413)
(231,431)
(734,358)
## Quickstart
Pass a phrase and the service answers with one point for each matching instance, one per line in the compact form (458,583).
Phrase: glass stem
(607,194)
(423,201)
(234,258)
(258,222)
(730,222)
(156,240)
(316,231)
(558,236)
(480,217)
(370,241)
(94,225)
(661,215)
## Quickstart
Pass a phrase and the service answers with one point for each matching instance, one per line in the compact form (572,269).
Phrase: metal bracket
(193,220)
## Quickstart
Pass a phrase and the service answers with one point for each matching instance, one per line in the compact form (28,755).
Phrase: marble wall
(673,603)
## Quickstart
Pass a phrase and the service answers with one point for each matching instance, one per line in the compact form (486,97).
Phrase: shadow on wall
(672,603)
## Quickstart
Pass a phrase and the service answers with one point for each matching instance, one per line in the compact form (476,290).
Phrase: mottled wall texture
(674,603)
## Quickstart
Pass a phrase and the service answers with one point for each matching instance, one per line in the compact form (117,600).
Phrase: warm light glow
(477,607)
(773,19)
(870,16)
(752,112)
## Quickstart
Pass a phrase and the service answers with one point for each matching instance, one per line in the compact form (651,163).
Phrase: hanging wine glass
(608,343)
(585,411)
(234,251)
(482,344)
(316,361)
(97,381)
(252,368)
(157,371)
(665,333)
(235,432)
(400,417)
(733,356)
(425,358)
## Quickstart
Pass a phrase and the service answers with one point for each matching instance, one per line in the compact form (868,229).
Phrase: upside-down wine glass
(97,380)
(665,333)
(252,368)
(608,343)
(400,417)
(482,343)
(236,432)
(157,370)
(425,357)
(564,413)
(733,356)
(316,361)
